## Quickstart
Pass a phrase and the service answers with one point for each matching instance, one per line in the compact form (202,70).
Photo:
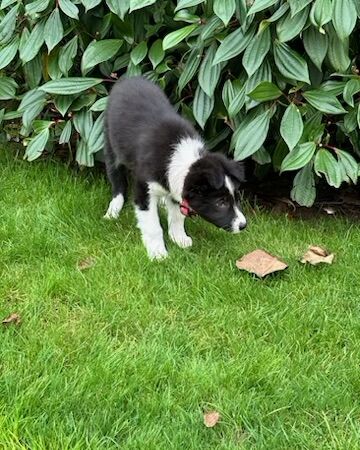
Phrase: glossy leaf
(7,53)
(251,136)
(54,30)
(265,91)
(260,5)
(202,107)
(298,157)
(349,164)
(175,37)
(292,126)
(290,63)
(234,44)
(138,53)
(99,51)
(7,88)
(316,45)
(69,8)
(156,53)
(324,101)
(290,26)
(37,145)
(352,87)
(208,74)
(138,4)
(224,9)
(67,55)
(344,17)
(326,164)
(304,191)
(71,85)
(66,133)
(256,51)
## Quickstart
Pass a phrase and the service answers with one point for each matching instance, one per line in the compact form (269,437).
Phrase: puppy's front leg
(146,209)
(176,225)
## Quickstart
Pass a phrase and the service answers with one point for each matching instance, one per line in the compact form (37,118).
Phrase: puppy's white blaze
(186,152)
(115,207)
(229,185)
(239,220)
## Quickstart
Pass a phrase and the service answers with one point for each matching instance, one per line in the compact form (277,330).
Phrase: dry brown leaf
(86,263)
(13,318)
(211,418)
(260,263)
(316,255)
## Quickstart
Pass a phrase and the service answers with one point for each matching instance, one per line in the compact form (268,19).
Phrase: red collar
(186,209)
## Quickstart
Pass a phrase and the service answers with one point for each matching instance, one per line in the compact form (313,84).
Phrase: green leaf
(290,64)
(224,9)
(156,53)
(316,45)
(304,191)
(321,13)
(251,136)
(66,133)
(358,115)
(138,4)
(33,44)
(292,126)
(298,157)
(349,164)
(211,27)
(89,4)
(297,5)
(190,68)
(290,26)
(265,91)
(85,100)
(208,74)
(350,121)
(37,145)
(67,55)
(5,3)
(262,156)
(352,87)
(7,53)
(233,45)
(31,98)
(83,156)
(184,16)
(99,51)
(96,136)
(36,7)
(100,105)
(175,37)
(338,51)
(71,85)
(138,53)
(7,25)
(260,5)
(326,164)
(33,72)
(202,107)
(7,88)
(62,103)
(68,8)
(324,101)
(237,102)
(276,16)
(256,51)
(119,8)
(54,30)
(344,17)
(31,113)
(83,123)
(187,4)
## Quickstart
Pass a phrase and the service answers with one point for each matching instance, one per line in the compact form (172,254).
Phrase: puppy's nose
(242,226)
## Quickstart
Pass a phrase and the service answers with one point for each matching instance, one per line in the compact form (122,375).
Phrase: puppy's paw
(115,207)
(157,253)
(181,239)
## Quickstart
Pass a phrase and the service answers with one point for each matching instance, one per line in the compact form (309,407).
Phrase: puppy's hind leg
(146,210)
(176,225)
(118,179)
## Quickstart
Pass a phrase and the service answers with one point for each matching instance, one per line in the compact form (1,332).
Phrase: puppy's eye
(222,203)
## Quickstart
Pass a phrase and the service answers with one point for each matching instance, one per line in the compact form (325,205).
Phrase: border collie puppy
(169,162)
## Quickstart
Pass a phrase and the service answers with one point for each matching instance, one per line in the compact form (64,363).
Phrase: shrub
(238,68)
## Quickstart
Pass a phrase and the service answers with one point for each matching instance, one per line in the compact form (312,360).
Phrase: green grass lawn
(130,353)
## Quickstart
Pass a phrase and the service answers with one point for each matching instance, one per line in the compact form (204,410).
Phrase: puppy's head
(211,190)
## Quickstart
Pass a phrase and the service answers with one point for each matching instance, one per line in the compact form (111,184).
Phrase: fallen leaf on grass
(260,263)
(13,318)
(86,263)
(316,255)
(211,418)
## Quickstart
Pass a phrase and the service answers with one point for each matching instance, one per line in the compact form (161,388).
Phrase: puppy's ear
(215,177)
(236,170)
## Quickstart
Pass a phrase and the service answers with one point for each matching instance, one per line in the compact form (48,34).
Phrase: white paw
(157,253)
(181,239)
(115,207)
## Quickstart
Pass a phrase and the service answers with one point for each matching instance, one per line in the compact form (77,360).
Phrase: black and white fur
(169,162)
